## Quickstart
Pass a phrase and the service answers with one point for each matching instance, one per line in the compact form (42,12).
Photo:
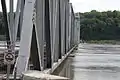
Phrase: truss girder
(48,30)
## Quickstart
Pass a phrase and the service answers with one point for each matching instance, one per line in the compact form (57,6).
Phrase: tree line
(100,25)
(94,25)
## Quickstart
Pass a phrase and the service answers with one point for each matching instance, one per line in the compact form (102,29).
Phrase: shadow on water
(65,69)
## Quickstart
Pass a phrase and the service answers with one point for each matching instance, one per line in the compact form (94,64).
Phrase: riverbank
(104,41)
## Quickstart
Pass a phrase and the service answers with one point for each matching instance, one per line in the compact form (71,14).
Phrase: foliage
(100,25)
(2,26)
(2,29)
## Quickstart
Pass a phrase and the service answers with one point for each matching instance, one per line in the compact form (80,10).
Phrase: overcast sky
(99,5)
(7,2)
(88,5)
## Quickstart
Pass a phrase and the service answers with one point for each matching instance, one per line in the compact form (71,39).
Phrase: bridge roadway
(48,30)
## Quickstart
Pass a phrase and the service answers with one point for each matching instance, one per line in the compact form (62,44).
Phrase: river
(92,62)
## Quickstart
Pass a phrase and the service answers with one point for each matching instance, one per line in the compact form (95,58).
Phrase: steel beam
(67,24)
(16,20)
(40,24)
(21,16)
(55,31)
(59,24)
(51,28)
(11,20)
(65,28)
(62,11)
(70,24)
(26,36)
(47,34)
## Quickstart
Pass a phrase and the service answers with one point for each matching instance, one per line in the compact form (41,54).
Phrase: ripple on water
(97,62)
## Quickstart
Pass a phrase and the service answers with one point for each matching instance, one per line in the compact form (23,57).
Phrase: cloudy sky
(88,5)
(7,2)
(100,5)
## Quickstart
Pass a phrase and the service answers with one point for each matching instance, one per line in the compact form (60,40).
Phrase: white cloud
(100,5)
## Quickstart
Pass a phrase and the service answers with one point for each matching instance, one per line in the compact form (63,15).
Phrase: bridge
(46,32)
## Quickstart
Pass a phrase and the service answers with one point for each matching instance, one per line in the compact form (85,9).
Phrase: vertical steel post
(17,18)
(11,20)
(47,34)
(51,28)
(56,30)
(65,28)
(11,5)
(15,73)
(40,24)
(60,56)
(21,15)
(8,71)
(62,12)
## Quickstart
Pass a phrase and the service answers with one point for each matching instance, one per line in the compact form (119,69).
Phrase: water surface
(93,62)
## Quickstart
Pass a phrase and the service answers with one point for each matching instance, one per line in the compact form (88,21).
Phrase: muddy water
(92,62)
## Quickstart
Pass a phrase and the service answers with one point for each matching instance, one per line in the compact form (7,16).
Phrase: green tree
(100,25)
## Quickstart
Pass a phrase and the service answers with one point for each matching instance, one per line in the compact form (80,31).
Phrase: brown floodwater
(92,62)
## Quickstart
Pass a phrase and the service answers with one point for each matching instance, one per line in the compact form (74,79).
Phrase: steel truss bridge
(48,29)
